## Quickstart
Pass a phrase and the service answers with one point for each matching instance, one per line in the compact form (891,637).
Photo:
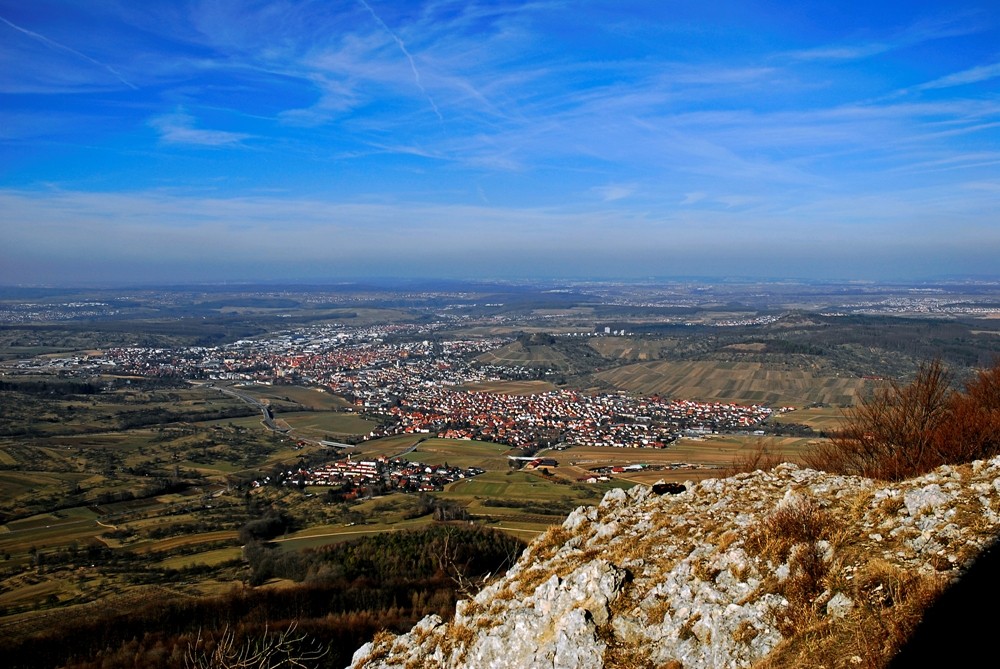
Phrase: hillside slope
(744,382)
(786,568)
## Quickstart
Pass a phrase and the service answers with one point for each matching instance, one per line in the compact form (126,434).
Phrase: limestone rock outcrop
(770,566)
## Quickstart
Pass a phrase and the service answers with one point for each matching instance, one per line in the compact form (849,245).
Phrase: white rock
(695,588)
(839,605)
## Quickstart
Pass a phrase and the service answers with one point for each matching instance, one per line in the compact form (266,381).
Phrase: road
(264,409)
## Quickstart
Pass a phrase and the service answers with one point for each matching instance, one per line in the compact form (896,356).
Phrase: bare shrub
(902,431)
(891,434)
(972,429)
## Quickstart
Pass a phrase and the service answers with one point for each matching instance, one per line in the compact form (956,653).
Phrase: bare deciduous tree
(285,649)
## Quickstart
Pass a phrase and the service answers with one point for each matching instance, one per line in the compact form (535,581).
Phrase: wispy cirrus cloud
(703,126)
(57,45)
(694,197)
(179,128)
(970,76)
(842,52)
(614,192)
(409,57)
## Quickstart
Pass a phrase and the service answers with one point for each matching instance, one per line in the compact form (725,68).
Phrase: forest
(337,596)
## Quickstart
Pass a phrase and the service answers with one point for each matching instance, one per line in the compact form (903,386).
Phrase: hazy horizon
(211,142)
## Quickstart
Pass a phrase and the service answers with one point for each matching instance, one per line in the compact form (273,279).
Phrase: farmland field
(461,453)
(518,485)
(318,424)
(740,382)
(314,398)
(210,558)
(622,348)
(686,458)
(818,418)
(389,446)
(517,353)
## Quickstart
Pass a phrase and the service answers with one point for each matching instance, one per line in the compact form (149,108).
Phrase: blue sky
(243,141)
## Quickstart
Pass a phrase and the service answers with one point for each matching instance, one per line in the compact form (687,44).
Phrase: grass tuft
(794,521)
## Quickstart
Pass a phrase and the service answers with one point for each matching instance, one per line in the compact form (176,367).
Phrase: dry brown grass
(745,632)
(790,534)
(805,582)
(381,647)
(458,638)
(889,603)
(686,630)
(619,656)
(726,539)
(656,613)
(625,547)
(795,521)
(702,570)
(546,545)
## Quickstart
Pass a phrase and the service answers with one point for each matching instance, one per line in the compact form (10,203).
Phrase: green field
(821,418)
(517,485)
(313,398)
(740,382)
(317,424)
(389,446)
(460,453)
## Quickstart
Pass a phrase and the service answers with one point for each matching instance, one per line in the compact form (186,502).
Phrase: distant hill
(562,354)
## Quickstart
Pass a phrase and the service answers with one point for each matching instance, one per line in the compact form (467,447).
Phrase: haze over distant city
(238,141)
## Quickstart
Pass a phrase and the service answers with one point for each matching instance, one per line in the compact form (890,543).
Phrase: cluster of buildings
(413,381)
(560,417)
(381,474)
(28,312)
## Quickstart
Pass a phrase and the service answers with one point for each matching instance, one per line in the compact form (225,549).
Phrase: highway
(264,409)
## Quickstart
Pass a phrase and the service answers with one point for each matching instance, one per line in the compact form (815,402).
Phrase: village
(351,478)
(418,386)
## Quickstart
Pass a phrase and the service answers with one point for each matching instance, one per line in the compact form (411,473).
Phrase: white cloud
(178,128)
(845,52)
(613,192)
(970,76)
(694,197)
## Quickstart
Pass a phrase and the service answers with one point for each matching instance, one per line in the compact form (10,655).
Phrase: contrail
(56,45)
(402,47)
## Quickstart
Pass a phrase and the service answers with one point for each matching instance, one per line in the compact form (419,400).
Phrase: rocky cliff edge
(785,568)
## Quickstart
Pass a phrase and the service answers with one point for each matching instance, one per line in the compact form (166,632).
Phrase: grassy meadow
(460,453)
